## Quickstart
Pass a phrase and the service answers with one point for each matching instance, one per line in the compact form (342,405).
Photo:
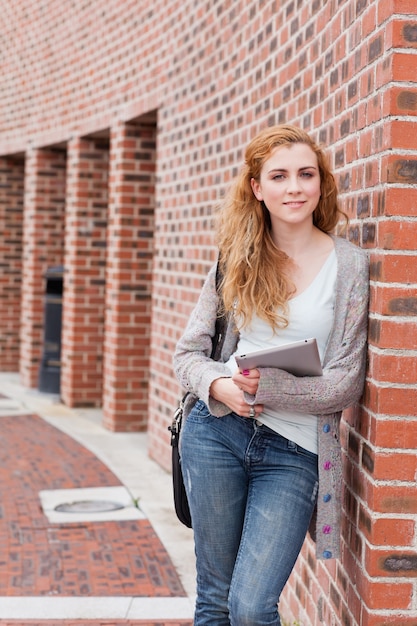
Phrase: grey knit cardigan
(326,396)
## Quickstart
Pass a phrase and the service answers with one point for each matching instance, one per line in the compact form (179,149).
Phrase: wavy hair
(255,272)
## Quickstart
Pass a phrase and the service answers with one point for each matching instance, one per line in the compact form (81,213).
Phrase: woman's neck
(298,242)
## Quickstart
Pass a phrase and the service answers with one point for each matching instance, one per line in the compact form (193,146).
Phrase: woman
(260,448)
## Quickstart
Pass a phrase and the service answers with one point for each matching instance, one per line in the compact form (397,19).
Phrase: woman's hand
(247,380)
(228,391)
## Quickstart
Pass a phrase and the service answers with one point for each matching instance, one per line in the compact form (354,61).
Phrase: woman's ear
(256,188)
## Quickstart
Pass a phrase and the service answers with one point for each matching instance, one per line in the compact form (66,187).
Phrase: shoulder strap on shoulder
(221,322)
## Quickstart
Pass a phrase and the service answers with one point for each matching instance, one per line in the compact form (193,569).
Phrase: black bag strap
(221,322)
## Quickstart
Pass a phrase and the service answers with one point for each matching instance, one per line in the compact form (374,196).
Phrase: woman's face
(289,184)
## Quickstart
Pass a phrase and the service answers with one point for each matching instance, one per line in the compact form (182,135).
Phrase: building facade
(121,126)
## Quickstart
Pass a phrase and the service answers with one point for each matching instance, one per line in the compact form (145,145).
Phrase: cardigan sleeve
(194,368)
(341,384)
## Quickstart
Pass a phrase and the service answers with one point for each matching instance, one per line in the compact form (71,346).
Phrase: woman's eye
(307,175)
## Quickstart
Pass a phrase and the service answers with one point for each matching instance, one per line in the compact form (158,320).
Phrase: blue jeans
(251,494)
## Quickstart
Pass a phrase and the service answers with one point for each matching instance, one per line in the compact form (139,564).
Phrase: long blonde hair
(254,270)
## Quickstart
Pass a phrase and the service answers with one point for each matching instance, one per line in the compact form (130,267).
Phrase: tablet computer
(300,358)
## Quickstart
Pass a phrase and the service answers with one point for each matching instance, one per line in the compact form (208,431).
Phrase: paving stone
(39,558)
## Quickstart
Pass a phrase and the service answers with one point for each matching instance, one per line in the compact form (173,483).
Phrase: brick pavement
(38,558)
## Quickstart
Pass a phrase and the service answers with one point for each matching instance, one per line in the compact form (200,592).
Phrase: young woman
(260,448)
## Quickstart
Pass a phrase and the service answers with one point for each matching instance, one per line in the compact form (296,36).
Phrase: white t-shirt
(310,315)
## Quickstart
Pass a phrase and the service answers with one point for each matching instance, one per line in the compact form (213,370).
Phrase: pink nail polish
(245,372)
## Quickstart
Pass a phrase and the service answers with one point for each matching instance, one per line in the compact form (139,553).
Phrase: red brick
(403,33)
(399,135)
(388,300)
(393,498)
(382,619)
(393,334)
(394,433)
(391,401)
(390,563)
(394,268)
(386,531)
(402,65)
(398,369)
(397,235)
(386,595)
(395,466)
(402,100)
(402,7)
(397,532)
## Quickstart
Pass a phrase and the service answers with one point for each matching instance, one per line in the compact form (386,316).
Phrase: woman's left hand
(247,380)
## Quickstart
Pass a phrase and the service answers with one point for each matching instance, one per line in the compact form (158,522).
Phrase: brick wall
(129,275)
(11,232)
(43,243)
(85,267)
(202,77)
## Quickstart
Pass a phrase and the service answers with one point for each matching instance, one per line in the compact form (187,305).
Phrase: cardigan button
(326,428)
(327,554)
(327,497)
(327,529)
(327,465)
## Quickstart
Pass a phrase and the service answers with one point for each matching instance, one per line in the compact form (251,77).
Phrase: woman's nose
(293,184)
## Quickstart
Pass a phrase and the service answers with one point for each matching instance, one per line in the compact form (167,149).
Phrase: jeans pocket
(194,426)
(306,453)
(199,410)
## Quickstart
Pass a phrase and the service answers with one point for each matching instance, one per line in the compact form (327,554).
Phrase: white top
(310,315)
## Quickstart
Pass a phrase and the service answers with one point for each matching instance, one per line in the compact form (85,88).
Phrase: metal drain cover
(89,506)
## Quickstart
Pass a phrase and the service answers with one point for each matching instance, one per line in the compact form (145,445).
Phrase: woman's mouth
(294,204)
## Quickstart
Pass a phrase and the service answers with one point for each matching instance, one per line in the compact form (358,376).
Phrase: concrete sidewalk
(131,565)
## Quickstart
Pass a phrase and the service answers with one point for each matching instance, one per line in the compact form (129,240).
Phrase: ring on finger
(252,412)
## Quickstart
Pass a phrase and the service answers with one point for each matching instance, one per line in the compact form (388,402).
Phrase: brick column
(129,276)
(385,450)
(43,242)
(84,281)
(11,233)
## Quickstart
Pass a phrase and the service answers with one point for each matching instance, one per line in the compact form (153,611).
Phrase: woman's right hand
(226,391)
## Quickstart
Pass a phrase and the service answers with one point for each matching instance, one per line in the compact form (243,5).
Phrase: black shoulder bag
(182,509)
